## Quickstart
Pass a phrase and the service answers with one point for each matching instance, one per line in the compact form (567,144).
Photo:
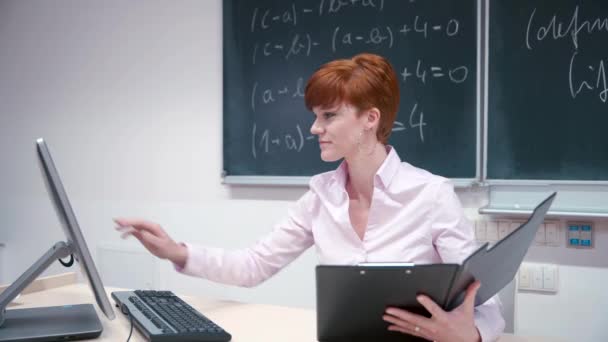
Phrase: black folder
(351,300)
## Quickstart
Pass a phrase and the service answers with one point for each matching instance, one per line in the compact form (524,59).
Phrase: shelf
(565,212)
(304,180)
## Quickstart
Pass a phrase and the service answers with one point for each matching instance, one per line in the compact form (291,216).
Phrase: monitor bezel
(71,228)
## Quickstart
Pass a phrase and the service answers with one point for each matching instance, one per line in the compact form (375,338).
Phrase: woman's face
(339,130)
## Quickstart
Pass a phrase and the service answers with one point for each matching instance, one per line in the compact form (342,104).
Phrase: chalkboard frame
(488,181)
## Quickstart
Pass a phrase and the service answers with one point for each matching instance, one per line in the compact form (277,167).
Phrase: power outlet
(480,231)
(491,231)
(540,239)
(548,233)
(552,234)
(538,277)
(504,228)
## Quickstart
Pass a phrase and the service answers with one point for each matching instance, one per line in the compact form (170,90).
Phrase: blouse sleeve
(251,266)
(454,239)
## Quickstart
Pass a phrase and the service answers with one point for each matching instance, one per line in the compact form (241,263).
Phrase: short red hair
(364,81)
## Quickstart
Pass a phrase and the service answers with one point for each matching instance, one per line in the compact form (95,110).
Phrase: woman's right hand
(154,238)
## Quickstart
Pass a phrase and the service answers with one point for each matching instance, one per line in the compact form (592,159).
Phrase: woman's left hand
(455,325)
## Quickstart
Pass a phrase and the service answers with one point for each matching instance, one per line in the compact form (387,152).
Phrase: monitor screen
(70,226)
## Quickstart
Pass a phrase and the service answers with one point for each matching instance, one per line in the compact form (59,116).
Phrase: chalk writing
(595,79)
(456,74)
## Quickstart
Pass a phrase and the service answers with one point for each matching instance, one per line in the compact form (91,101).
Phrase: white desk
(245,322)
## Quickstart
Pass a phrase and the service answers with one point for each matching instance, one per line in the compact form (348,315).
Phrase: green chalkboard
(547,95)
(271,47)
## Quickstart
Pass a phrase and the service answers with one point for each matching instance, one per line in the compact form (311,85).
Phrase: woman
(372,208)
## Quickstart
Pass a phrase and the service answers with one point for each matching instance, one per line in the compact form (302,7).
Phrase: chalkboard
(547,110)
(271,47)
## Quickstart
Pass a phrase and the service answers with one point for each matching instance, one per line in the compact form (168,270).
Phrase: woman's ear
(372,118)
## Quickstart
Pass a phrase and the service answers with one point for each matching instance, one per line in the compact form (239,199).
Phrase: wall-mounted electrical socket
(538,277)
(548,233)
(552,233)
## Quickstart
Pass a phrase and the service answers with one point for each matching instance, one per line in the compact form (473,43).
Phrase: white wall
(2,263)
(129,96)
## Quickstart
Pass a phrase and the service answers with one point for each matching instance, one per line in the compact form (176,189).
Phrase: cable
(131,330)
(69,263)
(125,310)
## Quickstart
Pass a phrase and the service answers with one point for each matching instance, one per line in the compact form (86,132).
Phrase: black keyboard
(163,316)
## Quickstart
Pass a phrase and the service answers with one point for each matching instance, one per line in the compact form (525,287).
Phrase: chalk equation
(583,78)
(424,27)
(375,36)
(302,43)
(269,95)
(416,120)
(265,140)
(557,29)
(267,18)
(298,44)
(378,35)
(590,78)
(423,73)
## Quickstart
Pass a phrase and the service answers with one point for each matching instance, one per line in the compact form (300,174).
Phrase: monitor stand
(66,322)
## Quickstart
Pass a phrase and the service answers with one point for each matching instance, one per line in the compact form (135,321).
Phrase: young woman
(372,208)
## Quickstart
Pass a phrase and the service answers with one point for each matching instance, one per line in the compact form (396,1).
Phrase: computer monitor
(55,322)
(70,226)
